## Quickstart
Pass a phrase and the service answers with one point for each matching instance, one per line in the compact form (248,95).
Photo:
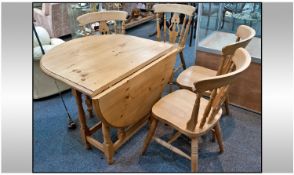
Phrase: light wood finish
(195,73)
(103,18)
(176,8)
(150,134)
(122,75)
(107,143)
(218,136)
(177,34)
(174,137)
(118,105)
(191,114)
(83,128)
(249,83)
(194,154)
(84,66)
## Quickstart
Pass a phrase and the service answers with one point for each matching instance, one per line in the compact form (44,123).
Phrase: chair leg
(150,134)
(183,60)
(194,154)
(218,136)
(227,106)
(170,83)
(107,144)
(89,105)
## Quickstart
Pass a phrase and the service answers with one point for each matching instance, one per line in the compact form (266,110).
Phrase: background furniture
(210,10)
(74,11)
(43,84)
(187,78)
(175,33)
(191,114)
(123,88)
(247,13)
(246,91)
(138,13)
(232,8)
(54,18)
(116,18)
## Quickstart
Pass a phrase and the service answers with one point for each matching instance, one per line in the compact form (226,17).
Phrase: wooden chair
(176,33)
(191,114)
(186,79)
(102,17)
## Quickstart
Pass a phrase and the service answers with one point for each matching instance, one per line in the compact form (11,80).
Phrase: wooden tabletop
(94,63)
(217,40)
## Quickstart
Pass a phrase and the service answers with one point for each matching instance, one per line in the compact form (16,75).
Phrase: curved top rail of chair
(245,33)
(102,16)
(241,59)
(176,8)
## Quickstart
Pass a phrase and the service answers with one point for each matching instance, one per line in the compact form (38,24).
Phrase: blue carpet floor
(57,149)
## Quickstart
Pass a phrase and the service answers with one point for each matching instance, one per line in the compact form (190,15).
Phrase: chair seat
(176,108)
(192,74)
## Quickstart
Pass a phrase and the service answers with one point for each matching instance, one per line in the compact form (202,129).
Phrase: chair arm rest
(56,41)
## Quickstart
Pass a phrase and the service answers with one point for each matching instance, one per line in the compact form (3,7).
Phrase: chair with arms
(194,73)
(85,22)
(191,114)
(176,33)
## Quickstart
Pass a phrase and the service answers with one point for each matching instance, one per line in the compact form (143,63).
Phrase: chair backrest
(244,36)
(118,17)
(174,29)
(219,85)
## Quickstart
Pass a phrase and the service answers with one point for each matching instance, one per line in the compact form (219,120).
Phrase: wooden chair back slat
(177,33)
(244,36)
(183,40)
(194,117)
(183,29)
(102,17)
(164,27)
(219,86)
(158,27)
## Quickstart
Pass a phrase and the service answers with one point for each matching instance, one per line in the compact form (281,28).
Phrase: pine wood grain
(94,63)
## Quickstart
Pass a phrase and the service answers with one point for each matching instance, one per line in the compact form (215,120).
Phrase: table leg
(83,125)
(107,144)
(89,105)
